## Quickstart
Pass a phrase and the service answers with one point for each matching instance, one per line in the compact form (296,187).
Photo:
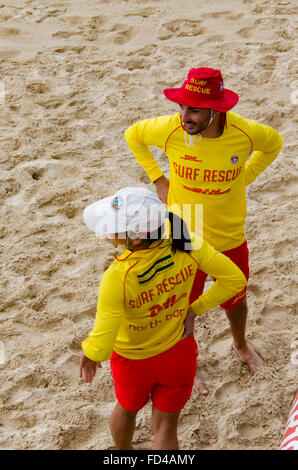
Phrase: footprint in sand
(68,366)
(221,344)
(22,421)
(52,13)
(269,60)
(250,431)
(286,10)
(37,87)
(71,20)
(285,248)
(229,392)
(281,192)
(40,168)
(223,14)
(247,422)
(32,387)
(246,33)
(9,188)
(18,397)
(65,34)
(87,313)
(252,412)
(274,318)
(145,12)
(10,32)
(215,38)
(180,28)
(95,21)
(122,38)
(134,64)
(93,27)
(7,54)
(134,92)
(57,301)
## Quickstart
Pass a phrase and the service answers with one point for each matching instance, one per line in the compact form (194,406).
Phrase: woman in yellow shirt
(143,301)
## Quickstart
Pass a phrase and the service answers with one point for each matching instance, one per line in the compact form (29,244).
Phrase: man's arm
(150,133)
(229,279)
(134,137)
(267,144)
(162,188)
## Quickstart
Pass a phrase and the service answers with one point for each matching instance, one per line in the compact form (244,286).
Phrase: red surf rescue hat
(203,89)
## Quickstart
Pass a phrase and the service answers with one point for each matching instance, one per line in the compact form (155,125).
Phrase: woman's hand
(189,324)
(88,368)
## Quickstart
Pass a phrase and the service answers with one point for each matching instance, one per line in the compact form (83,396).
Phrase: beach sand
(74,75)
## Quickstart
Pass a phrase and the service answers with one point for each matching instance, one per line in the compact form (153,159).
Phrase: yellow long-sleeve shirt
(144,298)
(212,172)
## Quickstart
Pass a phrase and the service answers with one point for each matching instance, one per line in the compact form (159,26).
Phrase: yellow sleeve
(110,310)
(267,144)
(229,278)
(149,132)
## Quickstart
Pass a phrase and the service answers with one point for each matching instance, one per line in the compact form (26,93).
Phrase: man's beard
(198,128)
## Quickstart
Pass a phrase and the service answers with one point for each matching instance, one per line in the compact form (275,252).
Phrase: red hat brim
(179,96)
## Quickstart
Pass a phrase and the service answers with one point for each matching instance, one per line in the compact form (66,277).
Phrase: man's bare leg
(122,425)
(237,318)
(164,427)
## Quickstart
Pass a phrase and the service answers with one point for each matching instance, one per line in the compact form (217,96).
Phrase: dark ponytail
(179,234)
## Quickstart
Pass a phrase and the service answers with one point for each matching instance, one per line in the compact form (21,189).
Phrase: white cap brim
(103,217)
(98,218)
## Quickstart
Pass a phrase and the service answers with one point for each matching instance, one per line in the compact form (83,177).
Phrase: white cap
(136,210)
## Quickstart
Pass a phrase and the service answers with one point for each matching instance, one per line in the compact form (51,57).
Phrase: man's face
(195,120)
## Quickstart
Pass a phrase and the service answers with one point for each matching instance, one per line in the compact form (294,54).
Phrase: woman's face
(117,238)
(123,240)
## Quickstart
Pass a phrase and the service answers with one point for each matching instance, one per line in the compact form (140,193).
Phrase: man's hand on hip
(162,188)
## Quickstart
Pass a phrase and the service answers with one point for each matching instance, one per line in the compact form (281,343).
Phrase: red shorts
(240,257)
(167,377)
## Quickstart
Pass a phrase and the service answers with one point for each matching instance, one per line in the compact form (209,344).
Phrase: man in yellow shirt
(213,154)
(143,301)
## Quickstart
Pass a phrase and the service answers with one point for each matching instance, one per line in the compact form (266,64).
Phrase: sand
(74,75)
